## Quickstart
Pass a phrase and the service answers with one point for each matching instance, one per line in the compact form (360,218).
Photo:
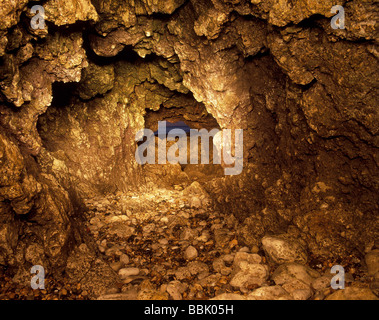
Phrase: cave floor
(170,244)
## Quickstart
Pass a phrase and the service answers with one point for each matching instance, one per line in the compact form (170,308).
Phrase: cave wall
(304,94)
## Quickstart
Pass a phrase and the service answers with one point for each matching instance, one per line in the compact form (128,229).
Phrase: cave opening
(188,114)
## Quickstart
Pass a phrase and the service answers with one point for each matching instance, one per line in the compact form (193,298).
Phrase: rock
(124,259)
(301,294)
(113,251)
(197,267)
(194,189)
(229,296)
(281,250)
(294,277)
(210,281)
(195,202)
(95,221)
(351,293)
(121,230)
(249,275)
(89,88)
(188,234)
(163,242)
(219,266)
(322,282)
(374,285)
(372,262)
(175,289)
(164,220)
(68,12)
(255,249)
(222,236)
(269,293)
(244,256)
(130,295)
(228,258)
(190,253)
(151,294)
(116,266)
(182,273)
(127,272)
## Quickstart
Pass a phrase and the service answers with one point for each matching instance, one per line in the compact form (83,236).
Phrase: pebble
(124,259)
(190,253)
(127,272)
(116,266)
(169,248)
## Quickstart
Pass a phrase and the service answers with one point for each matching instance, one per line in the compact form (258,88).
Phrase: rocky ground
(172,244)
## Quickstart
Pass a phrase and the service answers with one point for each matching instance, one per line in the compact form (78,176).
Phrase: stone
(124,259)
(127,272)
(229,296)
(372,262)
(190,253)
(188,234)
(294,277)
(113,251)
(89,88)
(244,256)
(131,295)
(121,230)
(322,282)
(210,281)
(182,273)
(220,267)
(195,202)
(281,250)
(175,289)
(249,275)
(68,12)
(163,242)
(197,267)
(302,294)
(116,266)
(269,293)
(351,293)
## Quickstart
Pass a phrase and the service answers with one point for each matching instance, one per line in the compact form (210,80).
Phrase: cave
(269,181)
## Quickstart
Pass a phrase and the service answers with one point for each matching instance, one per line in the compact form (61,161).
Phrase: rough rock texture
(73,97)
(282,250)
(353,294)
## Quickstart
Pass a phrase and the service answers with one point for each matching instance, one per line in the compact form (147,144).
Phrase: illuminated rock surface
(74,95)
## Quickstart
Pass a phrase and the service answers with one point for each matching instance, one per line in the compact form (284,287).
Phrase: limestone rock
(96,80)
(351,293)
(372,261)
(296,279)
(68,12)
(283,251)
(229,296)
(249,275)
(269,293)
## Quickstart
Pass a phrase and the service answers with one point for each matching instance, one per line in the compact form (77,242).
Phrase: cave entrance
(187,115)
